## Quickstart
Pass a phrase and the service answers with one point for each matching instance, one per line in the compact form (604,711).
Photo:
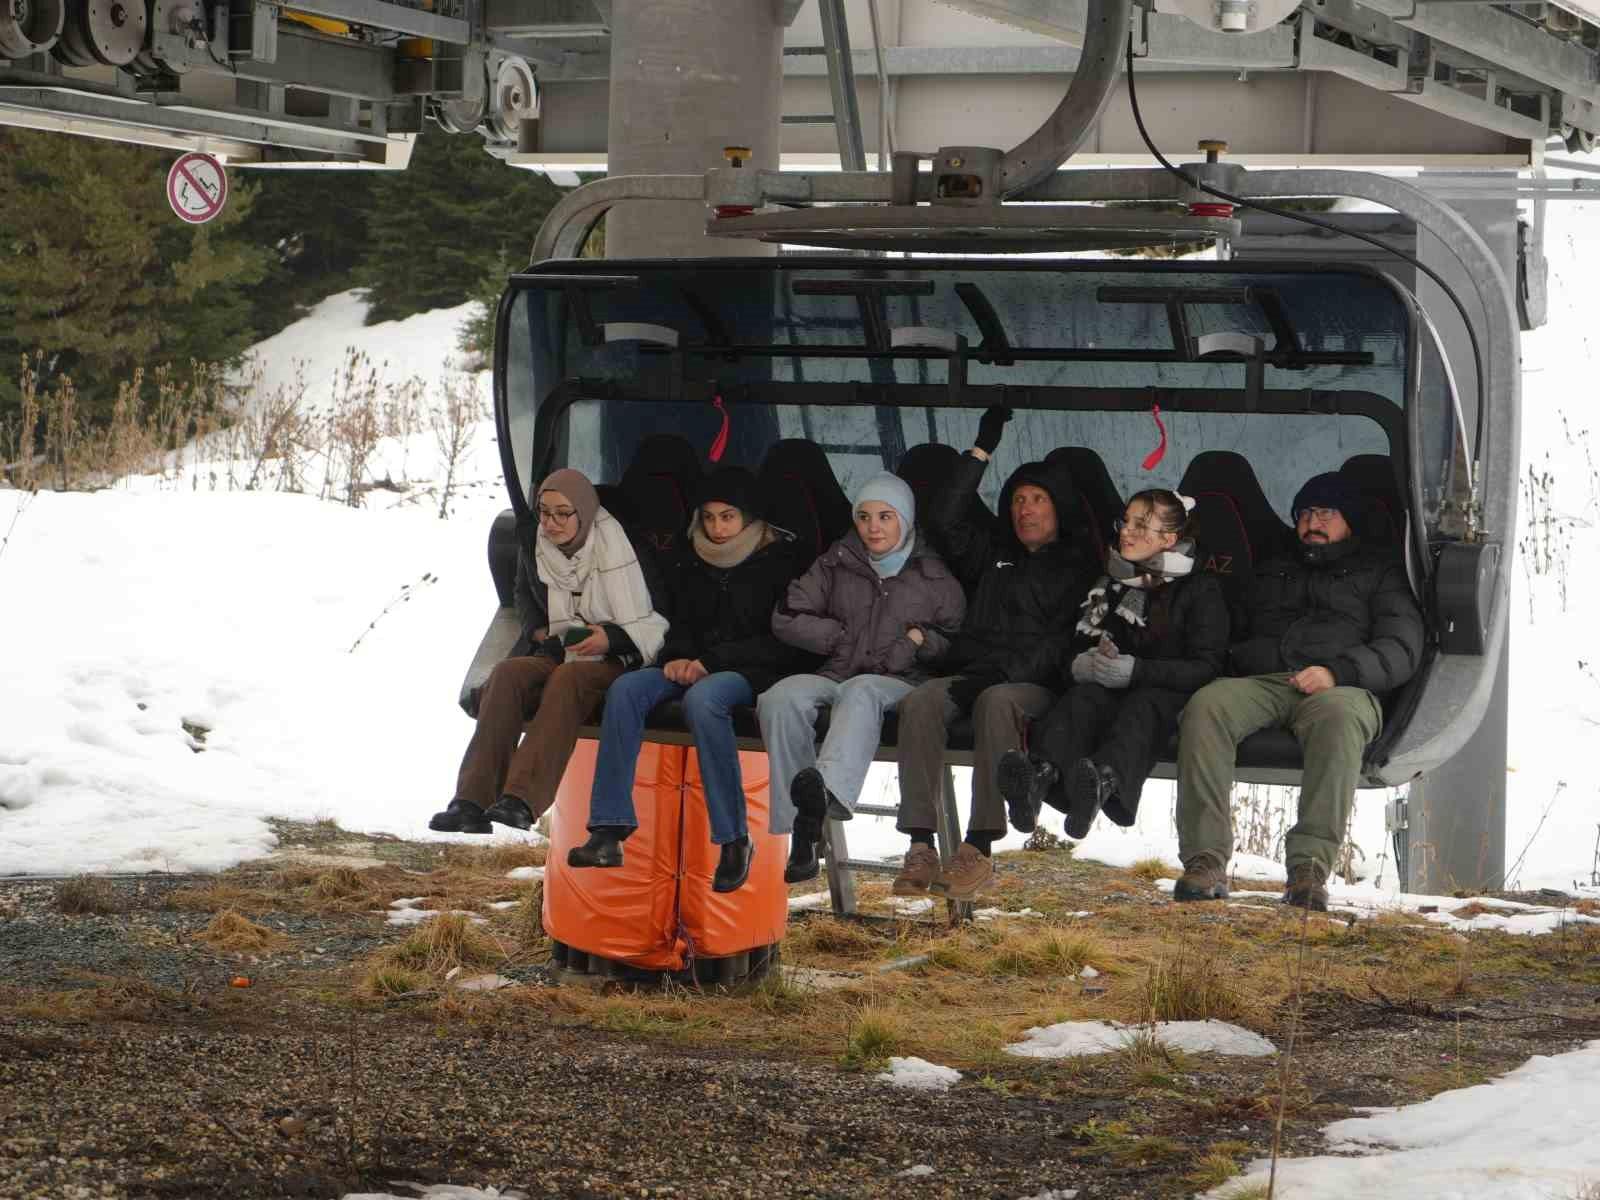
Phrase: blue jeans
(708,709)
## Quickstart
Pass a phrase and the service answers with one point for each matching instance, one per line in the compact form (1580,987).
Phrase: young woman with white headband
(1153,630)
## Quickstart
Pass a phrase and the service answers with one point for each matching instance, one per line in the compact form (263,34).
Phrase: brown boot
(969,873)
(920,870)
(1205,877)
(1308,886)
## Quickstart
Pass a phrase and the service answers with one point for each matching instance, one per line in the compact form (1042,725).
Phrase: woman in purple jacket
(880,605)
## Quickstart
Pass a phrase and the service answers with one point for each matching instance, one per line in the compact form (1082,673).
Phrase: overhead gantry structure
(349,82)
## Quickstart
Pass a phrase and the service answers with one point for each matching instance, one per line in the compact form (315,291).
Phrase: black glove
(990,426)
(964,691)
(551,648)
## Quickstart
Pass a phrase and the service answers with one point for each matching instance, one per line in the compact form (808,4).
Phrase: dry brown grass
(388,981)
(230,933)
(1152,869)
(86,895)
(1044,952)
(443,943)
(505,856)
(1188,985)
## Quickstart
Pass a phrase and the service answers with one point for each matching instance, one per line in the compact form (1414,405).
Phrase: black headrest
(660,485)
(1382,519)
(927,468)
(1235,527)
(1098,498)
(803,495)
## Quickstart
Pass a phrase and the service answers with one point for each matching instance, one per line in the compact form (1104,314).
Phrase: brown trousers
(542,704)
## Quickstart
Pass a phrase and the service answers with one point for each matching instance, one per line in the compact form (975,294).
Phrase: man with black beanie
(1328,630)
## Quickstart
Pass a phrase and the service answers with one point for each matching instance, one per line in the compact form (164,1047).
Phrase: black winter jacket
(1023,606)
(533,605)
(723,616)
(1183,644)
(1340,606)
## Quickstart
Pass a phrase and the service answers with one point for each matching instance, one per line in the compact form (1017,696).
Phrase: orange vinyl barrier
(657,910)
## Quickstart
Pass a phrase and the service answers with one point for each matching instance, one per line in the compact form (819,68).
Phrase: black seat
(927,468)
(803,496)
(1235,527)
(659,487)
(1099,502)
(1382,521)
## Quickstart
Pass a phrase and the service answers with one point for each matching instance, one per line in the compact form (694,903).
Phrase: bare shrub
(1260,819)
(1191,986)
(354,425)
(453,420)
(27,428)
(275,432)
(87,894)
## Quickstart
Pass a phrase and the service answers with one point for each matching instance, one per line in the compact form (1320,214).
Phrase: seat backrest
(1235,526)
(803,496)
(1099,502)
(1382,521)
(927,468)
(660,485)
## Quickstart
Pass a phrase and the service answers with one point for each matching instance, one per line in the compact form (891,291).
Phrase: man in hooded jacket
(1026,579)
(1328,630)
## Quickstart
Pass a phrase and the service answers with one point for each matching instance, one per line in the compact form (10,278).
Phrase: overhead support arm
(1036,159)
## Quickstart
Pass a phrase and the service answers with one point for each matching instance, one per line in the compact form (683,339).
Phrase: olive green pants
(1333,728)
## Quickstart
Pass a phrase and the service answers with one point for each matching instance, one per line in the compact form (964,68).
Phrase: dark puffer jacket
(723,616)
(1023,605)
(1342,606)
(1183,644)
(842,610)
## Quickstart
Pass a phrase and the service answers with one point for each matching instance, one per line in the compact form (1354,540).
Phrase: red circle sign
(197,188)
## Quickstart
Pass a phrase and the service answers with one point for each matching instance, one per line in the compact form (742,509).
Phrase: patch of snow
(438,1191)
(920,1171)
(908,907)
(1054,1194)
(1088,973)
(416,916)
(919,1073)
(1069,1039)
(502,905)
(525,873)
(808,901)
(407,902)
(485,983)
(1521,1137)
(995,914)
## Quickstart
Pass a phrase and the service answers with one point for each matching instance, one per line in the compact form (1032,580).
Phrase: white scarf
(601,584)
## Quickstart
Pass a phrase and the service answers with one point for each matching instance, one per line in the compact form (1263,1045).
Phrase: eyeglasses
(1142,528)
(556,516)
(1323,515)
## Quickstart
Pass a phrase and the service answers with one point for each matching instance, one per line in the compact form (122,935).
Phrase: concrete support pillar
(689,77)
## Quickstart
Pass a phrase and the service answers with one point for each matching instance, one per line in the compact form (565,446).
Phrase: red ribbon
(1160,452)
(720,442)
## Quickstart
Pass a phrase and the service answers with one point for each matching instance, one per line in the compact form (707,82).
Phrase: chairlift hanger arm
(1014,355)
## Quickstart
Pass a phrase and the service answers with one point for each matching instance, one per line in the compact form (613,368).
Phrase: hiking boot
(463,816)
(969,873)
(603,849)
(1025,780)
(812,797)
(1204,878)
(1089,786)
(1308,886)
(920,870)
(508,810)
(733,868)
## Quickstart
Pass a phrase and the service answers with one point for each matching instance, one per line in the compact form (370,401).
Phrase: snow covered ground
(132,612)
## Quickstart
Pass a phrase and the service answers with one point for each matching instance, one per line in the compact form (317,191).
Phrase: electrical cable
(1303,218)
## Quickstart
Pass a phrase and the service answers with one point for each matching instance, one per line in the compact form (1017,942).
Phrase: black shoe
(812,797)
(734,866)
(603,849)
(508,810)
(804,862)
(1089,786)
(463,816)
(1025,780)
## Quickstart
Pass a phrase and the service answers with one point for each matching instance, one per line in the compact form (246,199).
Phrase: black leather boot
(734,866)
(811,795)
(603,849)
(1089,786)
(508,810)
(1025,780)
(463,816)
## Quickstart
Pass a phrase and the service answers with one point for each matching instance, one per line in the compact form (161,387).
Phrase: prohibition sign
(197,188)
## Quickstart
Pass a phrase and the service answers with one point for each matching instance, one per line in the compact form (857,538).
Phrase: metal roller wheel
(109,31)
(1579,141)
(515,99)
(29,26)
(72,47)
(460,116)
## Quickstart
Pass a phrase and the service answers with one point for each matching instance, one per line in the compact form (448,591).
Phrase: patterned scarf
(1129,584)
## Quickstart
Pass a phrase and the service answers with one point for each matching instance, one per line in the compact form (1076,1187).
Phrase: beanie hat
(731,485)
(1329,490)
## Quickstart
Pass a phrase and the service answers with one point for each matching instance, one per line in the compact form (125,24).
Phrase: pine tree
(438,228)
(97,272)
